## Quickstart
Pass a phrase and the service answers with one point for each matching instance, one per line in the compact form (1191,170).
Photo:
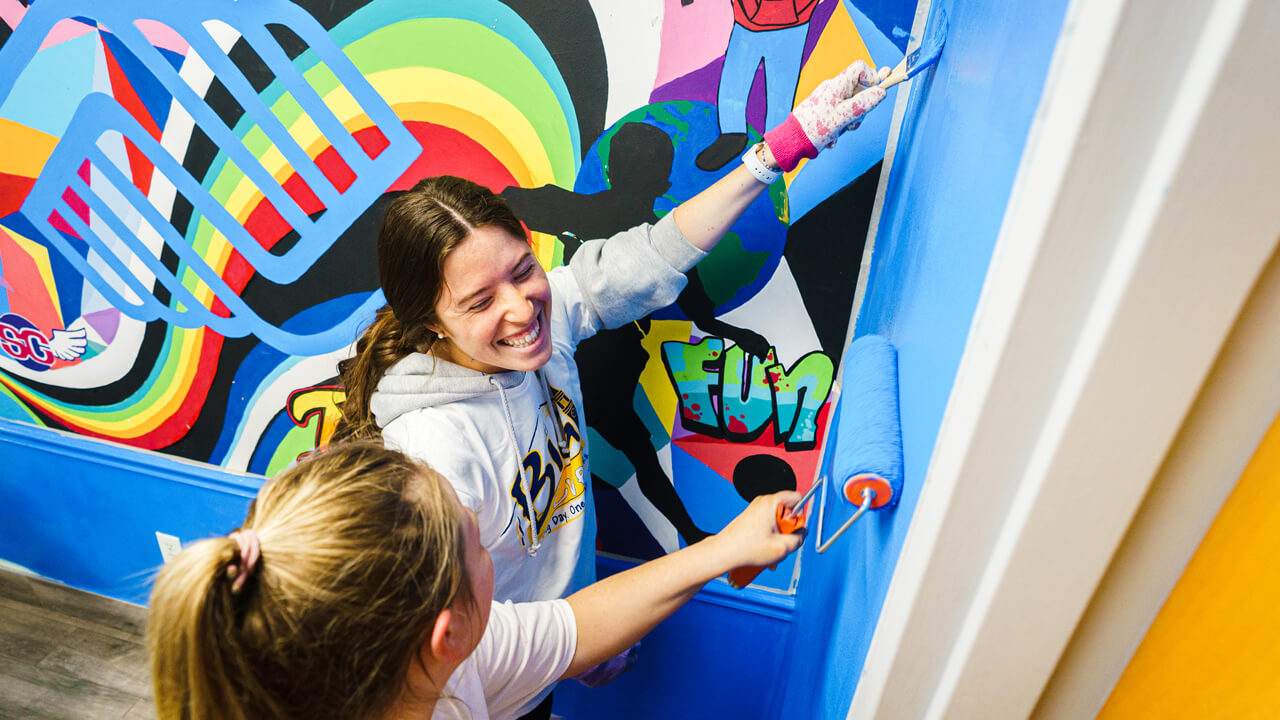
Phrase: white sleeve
(526,647)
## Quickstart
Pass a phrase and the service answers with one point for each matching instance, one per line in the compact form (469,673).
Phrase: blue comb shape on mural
(99,114)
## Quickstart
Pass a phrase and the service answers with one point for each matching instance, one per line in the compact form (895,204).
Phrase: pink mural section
(693,35)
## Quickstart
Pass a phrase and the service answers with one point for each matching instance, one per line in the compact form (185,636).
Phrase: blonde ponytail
(199,671)
(361,548)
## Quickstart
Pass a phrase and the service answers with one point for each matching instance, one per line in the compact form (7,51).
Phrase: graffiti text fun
(732,394)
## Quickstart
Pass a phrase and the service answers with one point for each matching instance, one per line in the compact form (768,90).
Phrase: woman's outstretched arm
(707,216)
(613,614)
(835,106)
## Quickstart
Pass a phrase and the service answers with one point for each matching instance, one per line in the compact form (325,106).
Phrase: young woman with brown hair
(358,588)
(470,367)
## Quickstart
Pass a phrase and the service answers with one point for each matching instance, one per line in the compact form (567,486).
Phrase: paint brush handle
(898,74)
(787,524)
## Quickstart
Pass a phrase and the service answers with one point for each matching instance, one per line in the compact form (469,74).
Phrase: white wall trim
(1239,402)
(1144,209)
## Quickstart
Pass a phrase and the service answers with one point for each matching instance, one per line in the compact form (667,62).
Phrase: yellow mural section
(25,149)
(839,45)
(654,379)
(1213,651)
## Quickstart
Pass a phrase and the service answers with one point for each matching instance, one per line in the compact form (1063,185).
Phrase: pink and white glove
(828,111)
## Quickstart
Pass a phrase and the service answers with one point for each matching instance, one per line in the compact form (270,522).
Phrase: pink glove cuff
(789,143)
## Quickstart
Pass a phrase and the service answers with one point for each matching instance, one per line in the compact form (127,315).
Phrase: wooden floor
(70,654)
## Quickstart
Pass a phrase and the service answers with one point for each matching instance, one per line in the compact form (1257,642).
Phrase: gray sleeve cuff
(634,272)
(672,245)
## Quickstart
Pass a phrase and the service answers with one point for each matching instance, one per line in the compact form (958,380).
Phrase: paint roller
(866,455)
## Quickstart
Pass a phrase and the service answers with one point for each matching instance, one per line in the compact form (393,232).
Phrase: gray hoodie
(513,444)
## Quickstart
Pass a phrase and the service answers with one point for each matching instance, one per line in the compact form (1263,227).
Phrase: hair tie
(250,550)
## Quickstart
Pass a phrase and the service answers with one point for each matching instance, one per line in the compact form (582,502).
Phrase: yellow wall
(1214,649)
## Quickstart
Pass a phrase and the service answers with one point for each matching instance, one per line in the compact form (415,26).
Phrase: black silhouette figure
(610,363)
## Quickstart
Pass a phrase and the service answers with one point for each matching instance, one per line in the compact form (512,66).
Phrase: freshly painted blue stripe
(958,151)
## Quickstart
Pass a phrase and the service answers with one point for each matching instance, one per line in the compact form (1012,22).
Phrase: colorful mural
(190,195)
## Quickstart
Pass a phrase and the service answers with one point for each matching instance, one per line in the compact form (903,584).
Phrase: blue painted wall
(717,657)
(85,512)
(961,141)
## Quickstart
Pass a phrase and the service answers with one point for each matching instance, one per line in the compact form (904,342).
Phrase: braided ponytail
(383,344)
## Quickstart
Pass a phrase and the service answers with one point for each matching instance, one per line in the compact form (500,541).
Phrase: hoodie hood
(420,380)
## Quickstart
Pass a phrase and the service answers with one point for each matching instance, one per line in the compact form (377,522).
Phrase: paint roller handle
(787,524)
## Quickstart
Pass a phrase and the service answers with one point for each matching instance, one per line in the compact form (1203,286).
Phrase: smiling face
(495,307)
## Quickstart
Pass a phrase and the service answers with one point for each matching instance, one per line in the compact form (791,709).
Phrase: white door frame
(1146,204)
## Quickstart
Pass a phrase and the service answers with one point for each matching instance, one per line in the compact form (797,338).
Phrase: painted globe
(750,252)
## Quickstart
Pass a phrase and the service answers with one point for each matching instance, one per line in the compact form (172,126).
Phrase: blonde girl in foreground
(358,588)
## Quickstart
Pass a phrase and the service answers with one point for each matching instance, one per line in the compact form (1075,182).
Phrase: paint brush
(923,56)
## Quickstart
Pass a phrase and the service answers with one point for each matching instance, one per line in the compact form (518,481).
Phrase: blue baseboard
(85,512)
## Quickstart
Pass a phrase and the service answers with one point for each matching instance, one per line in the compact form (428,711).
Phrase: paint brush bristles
(926,54)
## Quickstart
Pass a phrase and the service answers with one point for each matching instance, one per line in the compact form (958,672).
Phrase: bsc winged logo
(23,341)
